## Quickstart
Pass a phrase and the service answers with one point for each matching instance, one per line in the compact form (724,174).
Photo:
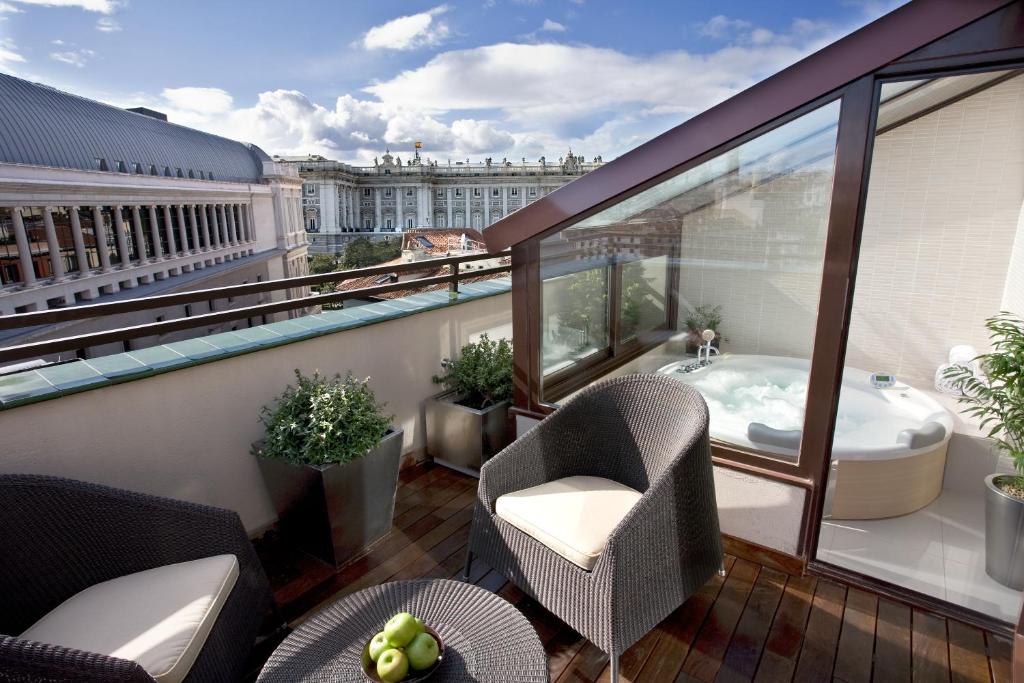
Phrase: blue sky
(470,78)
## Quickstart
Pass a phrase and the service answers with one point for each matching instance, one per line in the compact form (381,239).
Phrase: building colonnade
(53,243)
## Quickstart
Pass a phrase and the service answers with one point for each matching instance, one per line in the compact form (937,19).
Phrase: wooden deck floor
(755,624)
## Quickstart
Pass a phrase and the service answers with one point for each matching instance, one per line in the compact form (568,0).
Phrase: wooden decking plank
(562,649)
(1000,658)
(632,660)
(968,660)
(929,648)
(892,642)
(817,656)
(679,630)
(744,653)
(712,642)
(586,666)
(857,639)
(778,661)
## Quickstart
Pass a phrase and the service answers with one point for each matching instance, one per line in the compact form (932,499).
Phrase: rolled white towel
(942,383)
(962,354)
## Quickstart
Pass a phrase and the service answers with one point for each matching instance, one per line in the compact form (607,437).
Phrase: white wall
(186,433)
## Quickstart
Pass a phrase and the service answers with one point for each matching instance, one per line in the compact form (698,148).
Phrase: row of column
(221,225)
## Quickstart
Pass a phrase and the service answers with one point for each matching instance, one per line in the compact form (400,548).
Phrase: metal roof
(43,126)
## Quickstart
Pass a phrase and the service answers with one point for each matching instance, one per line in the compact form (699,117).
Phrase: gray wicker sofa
(649,433)
(59,537)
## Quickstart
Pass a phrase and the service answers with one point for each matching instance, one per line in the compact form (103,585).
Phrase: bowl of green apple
(406,651)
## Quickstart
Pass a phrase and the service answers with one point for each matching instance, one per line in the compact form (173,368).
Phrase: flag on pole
(419,145)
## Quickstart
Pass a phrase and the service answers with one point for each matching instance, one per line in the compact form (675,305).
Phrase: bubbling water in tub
(736,399)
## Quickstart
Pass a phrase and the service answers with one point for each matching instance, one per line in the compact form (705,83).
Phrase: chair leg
(721,570)
(469,565)
(613,667)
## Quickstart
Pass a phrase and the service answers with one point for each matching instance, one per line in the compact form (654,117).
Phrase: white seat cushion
(572,516)
(159,618)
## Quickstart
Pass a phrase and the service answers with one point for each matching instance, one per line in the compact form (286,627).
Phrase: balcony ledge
(60,380)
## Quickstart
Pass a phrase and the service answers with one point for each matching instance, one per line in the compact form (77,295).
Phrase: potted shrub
(995,396)
(703,318)
(467,423)
(330,461)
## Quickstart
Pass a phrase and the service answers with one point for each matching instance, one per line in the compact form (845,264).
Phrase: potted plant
(995,396)
(702,318)
(467,423)
(330,461)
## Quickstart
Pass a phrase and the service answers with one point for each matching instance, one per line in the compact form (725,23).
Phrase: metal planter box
(1004,536)
(334,511)
(464,438)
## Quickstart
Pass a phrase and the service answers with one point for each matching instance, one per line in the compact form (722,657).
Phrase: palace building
(394,196)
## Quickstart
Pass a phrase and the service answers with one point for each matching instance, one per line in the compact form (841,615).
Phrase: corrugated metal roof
(44,126)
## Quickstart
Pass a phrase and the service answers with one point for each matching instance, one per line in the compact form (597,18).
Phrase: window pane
(575,315)
(644,302)
(734,245)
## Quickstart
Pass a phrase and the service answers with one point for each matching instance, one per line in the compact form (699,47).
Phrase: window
(389,225)
(533,191)
(367,225)
(387,192)
(152,169)
(101,165)
(410,192)
(178,173)
(735,245)
(515,191)
(167,172)
(409,223)
(476,191)
(495,192)
(440,193)
(138,168)
(458,191)
(210,174)
(310,189)
(191,173)
(366,192)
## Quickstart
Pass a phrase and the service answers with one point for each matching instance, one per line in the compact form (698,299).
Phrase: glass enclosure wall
(734,245)
(942,250)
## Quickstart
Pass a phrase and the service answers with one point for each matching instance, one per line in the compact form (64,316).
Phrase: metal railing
(75,342)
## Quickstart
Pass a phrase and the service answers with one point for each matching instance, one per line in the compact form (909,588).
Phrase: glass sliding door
(942,250)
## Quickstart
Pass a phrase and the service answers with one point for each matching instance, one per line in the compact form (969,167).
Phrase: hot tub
(889,451)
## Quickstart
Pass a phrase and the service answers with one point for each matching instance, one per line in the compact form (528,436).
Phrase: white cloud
(101,6)
(9,55)
(212,100)
(107,25)
(554,26)
(409,32)
(7,8)
(75,57)
(721,26)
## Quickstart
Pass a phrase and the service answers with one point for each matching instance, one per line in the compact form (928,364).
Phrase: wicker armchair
(650,433)
(59,536)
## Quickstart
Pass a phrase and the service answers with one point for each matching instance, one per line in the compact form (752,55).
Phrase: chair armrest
(671,536)
(63,536)
(26,660)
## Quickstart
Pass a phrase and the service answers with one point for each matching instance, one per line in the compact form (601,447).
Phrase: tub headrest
(929,434)
(759,432)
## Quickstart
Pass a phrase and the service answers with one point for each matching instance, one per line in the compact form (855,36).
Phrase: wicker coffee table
(485,637)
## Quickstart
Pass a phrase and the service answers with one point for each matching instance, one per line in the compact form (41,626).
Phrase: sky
(469,78)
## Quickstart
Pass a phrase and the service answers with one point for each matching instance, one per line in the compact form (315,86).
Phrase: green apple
(422,651)
(401,629)
(378,645)
(392,666)
(419,622)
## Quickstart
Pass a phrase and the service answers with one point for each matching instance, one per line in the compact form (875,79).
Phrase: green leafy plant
(482,374)
(363,252)
(584,316)
(996,395)
(702,318)
(322,421)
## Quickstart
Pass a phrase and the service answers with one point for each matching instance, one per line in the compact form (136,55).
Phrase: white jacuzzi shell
(872,424)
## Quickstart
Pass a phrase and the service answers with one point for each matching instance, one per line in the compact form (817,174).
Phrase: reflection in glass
(742,234)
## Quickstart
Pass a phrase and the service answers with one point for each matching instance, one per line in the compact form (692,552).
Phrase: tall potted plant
(467,423)
(995,396)
(330,461)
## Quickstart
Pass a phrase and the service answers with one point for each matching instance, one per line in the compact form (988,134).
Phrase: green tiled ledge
(59,380)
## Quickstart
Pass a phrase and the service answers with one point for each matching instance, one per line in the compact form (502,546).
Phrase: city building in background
(99,203)
(340,200)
